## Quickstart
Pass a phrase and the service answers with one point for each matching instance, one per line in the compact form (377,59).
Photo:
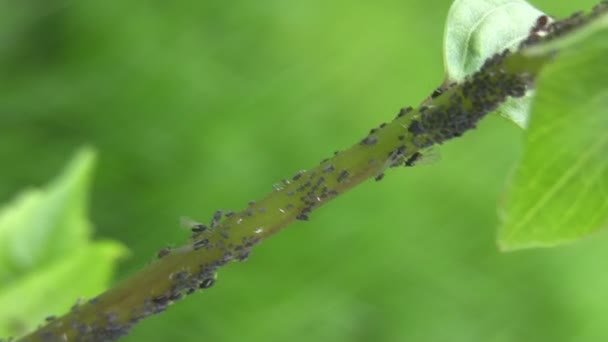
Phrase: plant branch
(449,113)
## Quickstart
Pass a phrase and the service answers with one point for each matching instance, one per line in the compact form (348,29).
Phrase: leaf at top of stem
(559,192)
(478,29)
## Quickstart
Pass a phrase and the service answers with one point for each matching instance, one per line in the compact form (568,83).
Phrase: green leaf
(559,192)
(478,29)
(54,289)
(45,253)
(41,225)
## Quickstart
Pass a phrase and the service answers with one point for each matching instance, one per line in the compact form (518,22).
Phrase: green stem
(191,267)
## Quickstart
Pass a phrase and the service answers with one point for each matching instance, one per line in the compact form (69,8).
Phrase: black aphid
(379,177)
(217,217)
(436,92)
(404,111)
(329,168)
(243,256)
(164,252)
(298,175)
(413,159)
(369,141)
(161,300)
(198,228)
(174,297)
(207,283)
(302,217)
(200,243)
(415,127)
(343,176)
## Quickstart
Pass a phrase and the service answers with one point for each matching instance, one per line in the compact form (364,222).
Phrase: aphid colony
(545,29)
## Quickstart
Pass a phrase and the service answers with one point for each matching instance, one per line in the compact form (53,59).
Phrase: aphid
(174,297)
(382,125)
(379,177)
(436,92)
(329,168)
(286,182)
(298,175)
(198,228)
(194,226)
(277,187)
(200,244)
(50,318)
(369,141)
(373,131)
(229,214)
(164,252)
(207,283)
(217,217)
(413,159)
(302,217)
(161,300)
(404,111)
(415,127)
(243,256)
(343,175)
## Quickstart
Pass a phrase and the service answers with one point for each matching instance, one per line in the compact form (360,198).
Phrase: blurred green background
(200,105)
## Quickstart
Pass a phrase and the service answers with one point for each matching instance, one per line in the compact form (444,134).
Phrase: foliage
(559,191)
(184,104)
(46,254)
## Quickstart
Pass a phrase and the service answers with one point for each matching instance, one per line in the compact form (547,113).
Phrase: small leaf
(478,29)
(53,290)
(41,225)
(46,259)
(559,192)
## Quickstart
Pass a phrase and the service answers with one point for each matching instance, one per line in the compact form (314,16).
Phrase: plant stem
(401,142)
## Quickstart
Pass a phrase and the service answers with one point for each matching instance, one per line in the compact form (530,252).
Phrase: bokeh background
(200,105)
